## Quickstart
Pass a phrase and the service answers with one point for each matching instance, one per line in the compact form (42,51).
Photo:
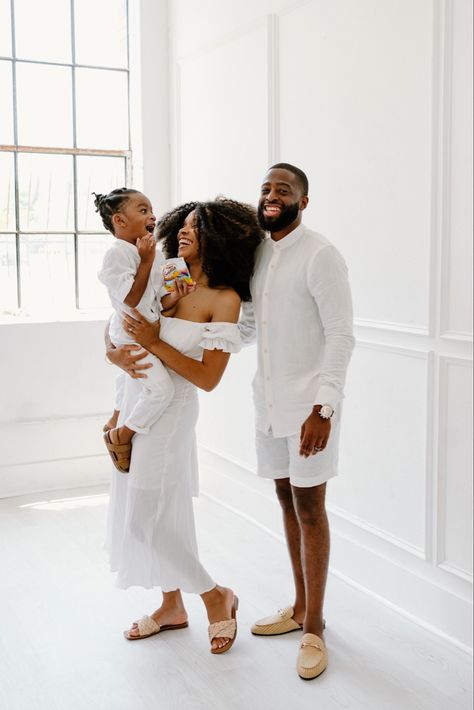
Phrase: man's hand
(146,246)
(314,434)
(128,357)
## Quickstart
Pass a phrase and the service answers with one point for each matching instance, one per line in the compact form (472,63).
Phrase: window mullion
(74,158)
(15,157)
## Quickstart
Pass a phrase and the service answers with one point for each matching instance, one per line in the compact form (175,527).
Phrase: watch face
(326,411)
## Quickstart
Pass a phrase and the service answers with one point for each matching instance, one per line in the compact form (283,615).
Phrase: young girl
(132,274)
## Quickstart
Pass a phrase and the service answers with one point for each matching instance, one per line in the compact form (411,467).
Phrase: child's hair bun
(98,201)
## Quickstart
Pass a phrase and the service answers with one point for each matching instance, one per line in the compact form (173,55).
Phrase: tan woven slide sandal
(225,629)
(147,627)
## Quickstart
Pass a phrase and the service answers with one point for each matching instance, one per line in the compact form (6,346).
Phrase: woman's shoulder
(226,294)
(225,305)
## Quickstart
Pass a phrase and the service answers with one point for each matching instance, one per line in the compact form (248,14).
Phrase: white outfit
(119,390)
(118,272)
(302,312)
(151,535)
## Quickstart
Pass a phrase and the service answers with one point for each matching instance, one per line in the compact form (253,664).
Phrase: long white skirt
(151,537)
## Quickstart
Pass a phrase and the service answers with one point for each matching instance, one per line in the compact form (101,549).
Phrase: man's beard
(287,215)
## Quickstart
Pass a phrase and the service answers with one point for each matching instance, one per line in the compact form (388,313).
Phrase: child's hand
(181,289)
(146,246)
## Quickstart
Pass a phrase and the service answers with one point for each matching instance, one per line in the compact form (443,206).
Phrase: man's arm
(246,325)
(328,283)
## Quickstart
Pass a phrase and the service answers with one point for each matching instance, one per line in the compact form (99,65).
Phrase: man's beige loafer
(280,623)
(312,657)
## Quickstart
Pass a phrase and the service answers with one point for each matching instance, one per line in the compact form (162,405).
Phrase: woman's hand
(142,330)
(128,357)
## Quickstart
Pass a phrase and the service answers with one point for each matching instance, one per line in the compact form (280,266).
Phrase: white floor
(61,646)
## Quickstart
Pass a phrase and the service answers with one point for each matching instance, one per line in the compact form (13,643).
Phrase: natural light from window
(64,132)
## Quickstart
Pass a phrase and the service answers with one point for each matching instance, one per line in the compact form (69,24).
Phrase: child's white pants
(156,393)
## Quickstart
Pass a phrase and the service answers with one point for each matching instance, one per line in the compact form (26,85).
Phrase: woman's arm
(205,374)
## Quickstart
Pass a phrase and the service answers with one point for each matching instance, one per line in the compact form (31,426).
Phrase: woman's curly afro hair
(228,234)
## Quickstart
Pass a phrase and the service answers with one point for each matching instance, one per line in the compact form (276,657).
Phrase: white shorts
(280,458)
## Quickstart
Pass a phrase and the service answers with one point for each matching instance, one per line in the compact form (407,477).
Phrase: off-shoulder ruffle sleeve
(221,336)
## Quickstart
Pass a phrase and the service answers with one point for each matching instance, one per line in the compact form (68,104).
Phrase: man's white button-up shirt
(303,316)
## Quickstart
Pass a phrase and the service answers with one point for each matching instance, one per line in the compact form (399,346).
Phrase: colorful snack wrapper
(175,269)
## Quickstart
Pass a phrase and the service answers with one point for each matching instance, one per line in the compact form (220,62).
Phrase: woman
(151,535)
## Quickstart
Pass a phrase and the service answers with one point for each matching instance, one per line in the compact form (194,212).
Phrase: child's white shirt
(118,273)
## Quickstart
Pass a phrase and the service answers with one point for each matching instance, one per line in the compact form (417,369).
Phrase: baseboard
(427,595)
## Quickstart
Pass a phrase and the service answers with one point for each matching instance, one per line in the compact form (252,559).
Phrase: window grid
(74,152)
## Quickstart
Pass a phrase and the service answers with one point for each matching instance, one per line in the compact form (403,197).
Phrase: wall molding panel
(429,596)
(376,532)
(454,419)
(382,326)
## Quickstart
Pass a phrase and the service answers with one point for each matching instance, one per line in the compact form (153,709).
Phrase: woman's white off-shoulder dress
(151,535)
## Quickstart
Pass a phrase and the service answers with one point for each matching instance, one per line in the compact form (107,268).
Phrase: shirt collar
(290,238)
(123,244)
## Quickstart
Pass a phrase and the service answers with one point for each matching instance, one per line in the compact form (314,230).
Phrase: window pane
(47,273)
(92,247)
(8,292)
(7,193)
(44,105)
(43,30)
(46,192)
(5,29)
(101,33)
(96,175)
(102,109)
(6,114)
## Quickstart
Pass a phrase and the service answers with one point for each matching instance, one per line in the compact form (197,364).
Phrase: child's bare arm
(146,248)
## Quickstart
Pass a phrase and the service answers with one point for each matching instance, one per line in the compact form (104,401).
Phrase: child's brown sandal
(119,453)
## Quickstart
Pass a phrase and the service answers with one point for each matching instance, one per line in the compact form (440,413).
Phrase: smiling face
(135,218)
(188,239)
(281,201)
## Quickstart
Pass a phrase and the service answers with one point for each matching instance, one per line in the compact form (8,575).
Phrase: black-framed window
(64,132)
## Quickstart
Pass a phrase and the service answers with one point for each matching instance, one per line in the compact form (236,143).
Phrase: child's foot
(120,451)
(121,435)
(112,423)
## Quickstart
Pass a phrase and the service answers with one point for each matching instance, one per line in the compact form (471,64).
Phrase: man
(303,318)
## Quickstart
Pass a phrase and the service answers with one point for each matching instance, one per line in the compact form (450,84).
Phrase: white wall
(373,98)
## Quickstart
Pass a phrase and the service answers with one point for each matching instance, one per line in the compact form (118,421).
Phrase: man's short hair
(303,180)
